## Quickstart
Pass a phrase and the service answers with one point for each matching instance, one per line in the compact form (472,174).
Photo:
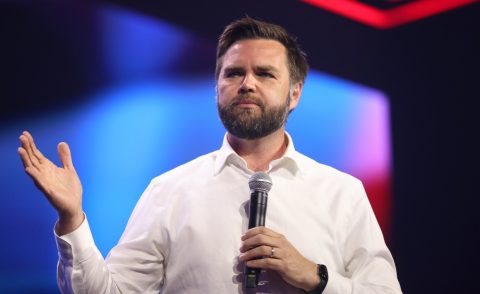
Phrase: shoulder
(166,187)
(330,182)
(199,167)
(315,169)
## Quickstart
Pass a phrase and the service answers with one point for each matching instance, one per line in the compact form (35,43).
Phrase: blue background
(149,120)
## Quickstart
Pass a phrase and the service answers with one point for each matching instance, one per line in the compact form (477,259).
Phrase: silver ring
(272,252)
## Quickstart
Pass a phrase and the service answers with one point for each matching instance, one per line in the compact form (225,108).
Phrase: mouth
(246,103)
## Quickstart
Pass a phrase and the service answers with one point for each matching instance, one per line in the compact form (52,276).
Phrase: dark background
(429,69)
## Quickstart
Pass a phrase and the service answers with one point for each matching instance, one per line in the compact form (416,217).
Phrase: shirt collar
(226,155)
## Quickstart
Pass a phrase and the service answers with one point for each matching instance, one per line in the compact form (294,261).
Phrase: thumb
(65,155)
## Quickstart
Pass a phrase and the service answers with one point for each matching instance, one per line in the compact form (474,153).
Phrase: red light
(388,18)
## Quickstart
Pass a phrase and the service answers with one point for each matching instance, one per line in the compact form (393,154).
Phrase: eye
(233,73)
(265,74)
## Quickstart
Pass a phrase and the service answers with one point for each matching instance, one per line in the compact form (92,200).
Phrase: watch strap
(322,273)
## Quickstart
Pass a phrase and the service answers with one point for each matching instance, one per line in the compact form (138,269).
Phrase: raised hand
(275,252)
(61,185)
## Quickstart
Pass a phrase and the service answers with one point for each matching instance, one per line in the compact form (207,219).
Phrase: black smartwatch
(323,275)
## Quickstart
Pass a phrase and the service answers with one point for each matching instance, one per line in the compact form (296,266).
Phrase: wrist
(68,223)
(312,280)
(322,274)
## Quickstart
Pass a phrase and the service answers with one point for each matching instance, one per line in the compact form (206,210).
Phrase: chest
(206,222)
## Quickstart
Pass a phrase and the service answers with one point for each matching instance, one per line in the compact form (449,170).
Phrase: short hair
(250,28)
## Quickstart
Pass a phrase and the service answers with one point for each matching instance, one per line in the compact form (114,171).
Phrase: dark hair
(249,28)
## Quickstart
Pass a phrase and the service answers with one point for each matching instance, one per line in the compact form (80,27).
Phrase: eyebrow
(233,68)
(265,68)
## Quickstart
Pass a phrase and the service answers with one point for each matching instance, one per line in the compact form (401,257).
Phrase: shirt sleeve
(135,265)
(81,267)
(369,265)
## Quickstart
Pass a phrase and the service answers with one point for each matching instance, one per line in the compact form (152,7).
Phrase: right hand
(61,185)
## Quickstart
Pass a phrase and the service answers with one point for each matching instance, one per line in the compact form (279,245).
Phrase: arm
(63,189)
(368,264)
(81,267)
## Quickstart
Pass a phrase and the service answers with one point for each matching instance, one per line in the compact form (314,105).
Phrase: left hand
(267,249)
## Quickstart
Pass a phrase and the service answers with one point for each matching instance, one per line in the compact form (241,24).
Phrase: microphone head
(260,181)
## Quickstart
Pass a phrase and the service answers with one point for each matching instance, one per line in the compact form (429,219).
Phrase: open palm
(61,185)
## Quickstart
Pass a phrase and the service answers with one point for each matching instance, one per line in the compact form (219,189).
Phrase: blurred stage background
(390,98)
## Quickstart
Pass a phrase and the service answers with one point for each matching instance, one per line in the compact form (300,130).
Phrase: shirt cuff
(337,284)
(76,243)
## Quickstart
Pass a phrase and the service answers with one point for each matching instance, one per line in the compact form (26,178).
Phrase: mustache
(246,98)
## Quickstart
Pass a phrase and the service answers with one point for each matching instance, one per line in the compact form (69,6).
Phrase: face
(254,94)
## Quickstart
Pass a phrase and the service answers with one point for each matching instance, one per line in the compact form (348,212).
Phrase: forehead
(256,52)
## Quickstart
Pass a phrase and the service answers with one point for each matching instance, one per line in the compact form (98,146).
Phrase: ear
(295,93)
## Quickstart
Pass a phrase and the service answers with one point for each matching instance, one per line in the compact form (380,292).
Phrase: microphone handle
(258,210)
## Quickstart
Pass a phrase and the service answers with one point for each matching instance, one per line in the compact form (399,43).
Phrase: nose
(247,85)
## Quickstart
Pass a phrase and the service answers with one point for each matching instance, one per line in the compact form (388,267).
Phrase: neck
(260,152)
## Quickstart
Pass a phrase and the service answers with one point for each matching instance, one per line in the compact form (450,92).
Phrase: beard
(245,123)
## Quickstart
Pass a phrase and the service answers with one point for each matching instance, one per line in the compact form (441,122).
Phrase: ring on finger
(272,252)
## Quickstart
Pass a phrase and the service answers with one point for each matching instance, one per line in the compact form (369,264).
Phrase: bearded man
(188,232)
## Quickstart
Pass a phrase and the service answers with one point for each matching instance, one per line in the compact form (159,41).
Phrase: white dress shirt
(184,233)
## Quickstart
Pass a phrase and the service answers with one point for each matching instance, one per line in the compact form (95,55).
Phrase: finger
(34,173)
(26,146)
(36,153)
(260,230)
(30,169)
(65,155)
(260,251)
(24,157)
(259,240)
(27,142)
(265,263)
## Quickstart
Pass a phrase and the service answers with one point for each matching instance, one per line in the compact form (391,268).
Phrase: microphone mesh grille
(260,181)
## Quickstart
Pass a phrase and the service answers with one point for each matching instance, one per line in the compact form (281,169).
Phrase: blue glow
(137,46)
(326,122)
(131,135)
(128,134)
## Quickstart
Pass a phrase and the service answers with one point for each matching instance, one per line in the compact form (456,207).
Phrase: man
(188,232)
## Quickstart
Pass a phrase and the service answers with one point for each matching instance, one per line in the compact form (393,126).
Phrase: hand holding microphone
(264,248)
(260,184)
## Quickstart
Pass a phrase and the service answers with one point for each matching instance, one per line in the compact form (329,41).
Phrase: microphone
(260,184)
